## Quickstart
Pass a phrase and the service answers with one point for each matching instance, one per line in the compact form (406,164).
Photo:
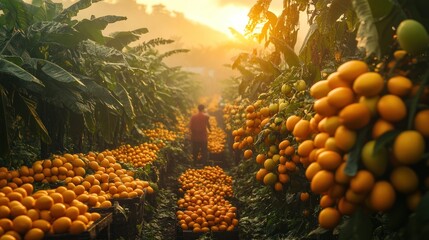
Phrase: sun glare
(209,12)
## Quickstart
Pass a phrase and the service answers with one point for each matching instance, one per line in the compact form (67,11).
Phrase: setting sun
(210,13)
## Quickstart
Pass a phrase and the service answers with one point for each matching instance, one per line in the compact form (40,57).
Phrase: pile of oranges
(160,133)
(139,155)
(204,206)
(216,138)
(26,214)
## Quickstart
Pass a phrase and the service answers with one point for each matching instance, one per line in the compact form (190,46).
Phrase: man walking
(199,125)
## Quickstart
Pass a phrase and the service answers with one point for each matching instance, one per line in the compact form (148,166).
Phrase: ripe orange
(335,81)
(326,201)
(34,234)
(22,224)
(409,147)
(352,69)
(44,202)
(58,210)
(345,138)
(421,122)
(42,224)
(382,196)
(248,153)
(329,160)
(270,179)
(368,84)
(322,181)
(399,86)
(302,129)
(391,108)
(304,196)
(61,225)
(329,218)
(320,89)
(404,179)
(355,116)
(311,170)
(362,182)
(77,227)
(4,211)
(324,108)
(345,207)
(380,127)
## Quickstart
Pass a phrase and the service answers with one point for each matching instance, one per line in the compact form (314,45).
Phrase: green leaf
(92,29)
(352,163)
(32,109)
(358,227)
(121,39)
(73,10)
(10,68)
(103,96)
(55,71)
(290,56)
(416,99)
(54,33)
(367,35)
(4,136)
(385,139)
(15,14)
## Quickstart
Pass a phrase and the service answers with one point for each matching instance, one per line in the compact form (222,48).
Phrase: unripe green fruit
(412,36)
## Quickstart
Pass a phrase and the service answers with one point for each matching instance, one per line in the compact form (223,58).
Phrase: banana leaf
(119,40)
(92,29)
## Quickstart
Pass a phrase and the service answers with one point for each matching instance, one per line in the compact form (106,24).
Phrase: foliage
(97,88)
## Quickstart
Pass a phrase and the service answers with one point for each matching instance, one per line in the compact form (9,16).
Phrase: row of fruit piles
(216,138)
(363,146)
(89,181)
(204,206)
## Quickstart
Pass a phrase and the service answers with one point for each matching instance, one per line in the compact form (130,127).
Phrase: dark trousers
(199,147)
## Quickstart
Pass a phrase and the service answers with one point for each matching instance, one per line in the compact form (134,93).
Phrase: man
(199,125)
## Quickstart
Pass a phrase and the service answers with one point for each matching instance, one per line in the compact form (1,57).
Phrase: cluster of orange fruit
(160,133)
(56,210)
(204,206)
(46,171)
(350,101)
(232,115)
(28,215)
(139,155)
(216,138)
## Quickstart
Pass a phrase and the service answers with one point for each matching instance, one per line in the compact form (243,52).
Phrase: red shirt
(198,126)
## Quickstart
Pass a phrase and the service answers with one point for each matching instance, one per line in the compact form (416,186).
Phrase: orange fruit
(345,207)
(335,81)
(77,227)
(18,210)
(304,196)
(270,178)
(362,182)
(380,127)
(404,179)
(340,176)
(370,103)
(420,122)
(28,202)
(352,69)
(324,108)
(22,224)
(291,122)
(302,129)
(311,170)
(322,181)
(399,86)
(355,116)
(331,124)
(409,147)
(305,148)
(42,224)
(58,210)
(329,160)
(345,138)
(68,196)
(326,201)
(72,213)
(382,196)
(61,225)
(44,202)
(391,108)
(34,234)
(368,84)
(329,218)
(320,89)
(4,211)
(6,224)
(341,97)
